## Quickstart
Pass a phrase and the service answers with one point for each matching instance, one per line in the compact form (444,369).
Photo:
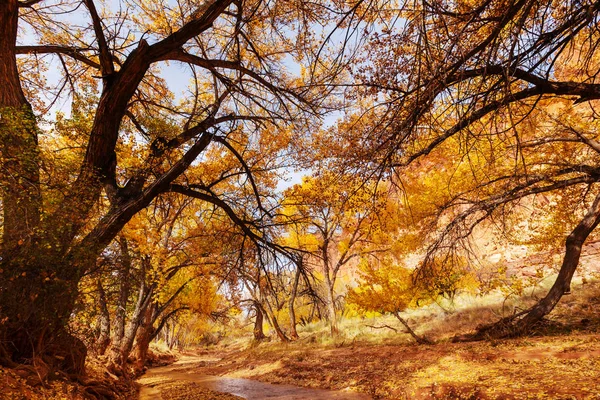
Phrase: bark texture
(258,332)
(103,339)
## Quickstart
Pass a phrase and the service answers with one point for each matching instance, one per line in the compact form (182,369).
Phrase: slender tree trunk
(167,334)
(411,332)
(103,339)
(330,305)
(171,341)
(268,312)
(293,331)
(329,293)
(280,334)
(331,312)
(562,285)
(132,328)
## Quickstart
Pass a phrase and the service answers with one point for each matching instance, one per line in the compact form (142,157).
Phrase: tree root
(508,327)
(101,390)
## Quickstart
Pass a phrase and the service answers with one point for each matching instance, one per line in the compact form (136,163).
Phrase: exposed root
(99,392)
(510,327)
(106,388)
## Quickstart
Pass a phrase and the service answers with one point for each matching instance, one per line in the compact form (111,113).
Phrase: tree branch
(107,67)
(72,52)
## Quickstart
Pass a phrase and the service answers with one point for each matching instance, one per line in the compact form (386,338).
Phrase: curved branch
(246,169)
(465,122)
(72,52)
(210,197)
(180,55)
(490,204)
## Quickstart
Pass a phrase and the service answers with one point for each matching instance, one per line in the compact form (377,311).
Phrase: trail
(164,383)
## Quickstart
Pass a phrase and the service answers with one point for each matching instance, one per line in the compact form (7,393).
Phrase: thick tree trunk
(40,265)
(32,292)
(524,322)
(143,337)
(124,289)
(36,312)
(19,153)
(103,339)
(259,334)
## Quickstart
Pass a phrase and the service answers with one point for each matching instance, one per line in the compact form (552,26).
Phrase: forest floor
(560,361)
(565,367)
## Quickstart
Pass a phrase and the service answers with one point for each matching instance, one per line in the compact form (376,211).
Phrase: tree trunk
(524,322)
(280,334)
(259,335)
(19,153)
(119,354)
(268,311)
(331,312)
(171,337)
(130,333)
(124,289)
(40,263)
(329,293)
(562,285)
(143,338)
(103,339)
(35,301)
(293,331)
(35,307)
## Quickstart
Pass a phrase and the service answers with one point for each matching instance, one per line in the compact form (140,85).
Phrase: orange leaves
(384,287)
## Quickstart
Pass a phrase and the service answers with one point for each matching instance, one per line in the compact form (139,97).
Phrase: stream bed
(183,372)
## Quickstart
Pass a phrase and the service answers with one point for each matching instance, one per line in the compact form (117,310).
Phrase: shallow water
(246,388)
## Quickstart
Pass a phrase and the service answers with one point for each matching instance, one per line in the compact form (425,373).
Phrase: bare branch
(106,65)
(73,52)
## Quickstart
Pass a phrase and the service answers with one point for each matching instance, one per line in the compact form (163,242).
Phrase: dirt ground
(558,367)
(561,360)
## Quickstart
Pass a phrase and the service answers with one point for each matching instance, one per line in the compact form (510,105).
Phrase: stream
(182,371)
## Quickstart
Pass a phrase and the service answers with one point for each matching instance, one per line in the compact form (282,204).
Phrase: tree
(388,288)
(131,140)
(333,221)
(480,78)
